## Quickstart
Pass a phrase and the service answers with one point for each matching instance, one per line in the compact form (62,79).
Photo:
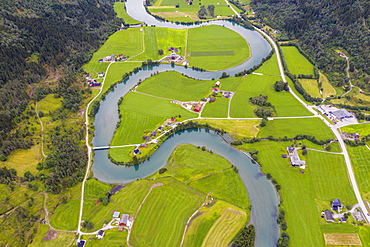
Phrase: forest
(321,27)
(37,37)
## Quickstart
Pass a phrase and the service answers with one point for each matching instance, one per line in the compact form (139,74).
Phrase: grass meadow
(305,195)
(218,109)
(49,104)
(111,238)
(296,62)
(216,38)
(311,87)
(360,159)
(235,127)
(328,89)
(63,239)
(143,113)
(279,128)
(362,129)
(119,8)
(173,85)
(218,223)
(66,215)
(15,197)
(125,201)
(23,160)
(174,202)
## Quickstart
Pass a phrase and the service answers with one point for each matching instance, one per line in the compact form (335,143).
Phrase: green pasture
(270,67)
(230,84)
(66,215)
(184,164)
(95,189)
(216,38)
(223,10)
(125,201)
(235,127)
(49,104)
(63,238)
(226,185)
(328,89)
(305,195)
(225,228)
(121,154)
(361,129)
(360,160)
(23,160)
(311,87)
(279,128)
(207,225)
(173,85)
(162,38)
(218,109)
(11,198)
(254,85)
(240,107)
(111,238)
(119,8)
(128,42)
(143,113)
(174,202)
(296,62)
(180,19)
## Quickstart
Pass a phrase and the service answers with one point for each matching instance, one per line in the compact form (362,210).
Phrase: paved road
(333,129)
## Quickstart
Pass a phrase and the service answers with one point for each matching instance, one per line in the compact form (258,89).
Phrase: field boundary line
(143,34)
(152,95)
(42,131)
(323,151)
(138,210)
(190,218)
(186,42)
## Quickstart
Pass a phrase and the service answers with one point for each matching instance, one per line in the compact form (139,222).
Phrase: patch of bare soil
(52,234)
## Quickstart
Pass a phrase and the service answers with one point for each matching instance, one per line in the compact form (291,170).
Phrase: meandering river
(261,192)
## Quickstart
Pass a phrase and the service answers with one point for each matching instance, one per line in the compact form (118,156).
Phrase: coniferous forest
(37,37)
(320,26)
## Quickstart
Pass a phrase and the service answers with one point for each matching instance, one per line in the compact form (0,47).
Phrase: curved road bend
(332,127)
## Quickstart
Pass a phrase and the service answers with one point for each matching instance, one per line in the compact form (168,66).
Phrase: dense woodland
(321,27)
(39,36)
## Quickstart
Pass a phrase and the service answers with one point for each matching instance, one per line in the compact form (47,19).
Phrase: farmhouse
(116,215)
(124,220)
(143,145)
(100,234)
(328,216)
(212,99)
(198,107)
(336,205)
(217,84)
(81,243)
(294,157)
(136,151)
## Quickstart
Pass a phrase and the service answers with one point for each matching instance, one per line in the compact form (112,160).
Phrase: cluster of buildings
(351,136)
(174,57)
(112,58)
(336,205)
(93,82)
(294,158)
(334,113)
(216,90)
(152,134)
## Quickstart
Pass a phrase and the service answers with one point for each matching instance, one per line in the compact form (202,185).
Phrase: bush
(162,170)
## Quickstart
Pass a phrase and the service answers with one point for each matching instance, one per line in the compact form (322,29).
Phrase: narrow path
(150,95)
(190,219)
(367,147)
(228,107)
(42,131)
(349,78)
(323,151)
(89,152)
(332,127)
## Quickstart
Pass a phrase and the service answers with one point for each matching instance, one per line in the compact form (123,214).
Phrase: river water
(261,192)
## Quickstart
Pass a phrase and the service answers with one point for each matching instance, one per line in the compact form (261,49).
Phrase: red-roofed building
(198,107)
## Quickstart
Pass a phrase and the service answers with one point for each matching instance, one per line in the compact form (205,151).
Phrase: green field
(328,89)
(217,109)
(361,129)
(173,85)
(296,62)
(223,187)
(95,189)
(66,215)
(305,195)
(23,160)
(311,87)
(143,113)
(63,238)
(216,38)
(174,202)
(111,238)
(49,104)
(119,7)
(207,226)
(237,128)
(360,159)
(279,128)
